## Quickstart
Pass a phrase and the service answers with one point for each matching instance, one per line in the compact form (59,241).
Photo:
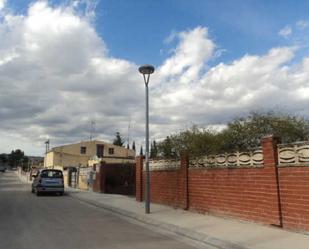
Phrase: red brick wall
(139,179)
(246,193)
(250,193)
(99,184)
(294,189)
(168,187)
(269,194)
(163,187)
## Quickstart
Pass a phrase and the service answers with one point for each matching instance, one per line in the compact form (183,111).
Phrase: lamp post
(146,70)
(46,150)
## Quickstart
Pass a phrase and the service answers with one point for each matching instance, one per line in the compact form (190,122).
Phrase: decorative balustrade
(293,154)
(232,160)
(155,165)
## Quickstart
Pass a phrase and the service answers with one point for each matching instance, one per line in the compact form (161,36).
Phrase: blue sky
(239,27)
(136,29)
(77,61)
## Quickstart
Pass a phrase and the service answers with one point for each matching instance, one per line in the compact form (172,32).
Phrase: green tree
(153,149)
(118,140)
(3,158)
(243,133)
(240,134)
(167,148)
(18,158)
(133,145)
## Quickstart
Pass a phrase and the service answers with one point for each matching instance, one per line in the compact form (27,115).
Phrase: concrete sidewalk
(215,231)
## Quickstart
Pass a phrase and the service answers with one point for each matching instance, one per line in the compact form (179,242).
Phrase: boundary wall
(269,185)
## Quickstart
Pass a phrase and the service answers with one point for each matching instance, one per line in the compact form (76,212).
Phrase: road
(56,222)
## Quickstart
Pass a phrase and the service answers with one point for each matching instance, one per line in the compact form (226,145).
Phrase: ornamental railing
(155,165)
(252,158)
(293,154)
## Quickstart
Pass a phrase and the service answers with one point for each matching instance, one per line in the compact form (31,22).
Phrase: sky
(64,64)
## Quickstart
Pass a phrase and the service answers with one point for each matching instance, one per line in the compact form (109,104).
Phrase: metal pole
(146,70)
(147,204)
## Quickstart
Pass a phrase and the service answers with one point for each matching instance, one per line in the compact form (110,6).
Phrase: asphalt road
(55,222)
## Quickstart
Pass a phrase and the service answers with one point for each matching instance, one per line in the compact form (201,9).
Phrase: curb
(200,237)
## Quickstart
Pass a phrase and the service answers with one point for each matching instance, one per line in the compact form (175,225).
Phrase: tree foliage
(240,134)
(153,149)
(3,158)
(17,158)
(118,140)
(133,145)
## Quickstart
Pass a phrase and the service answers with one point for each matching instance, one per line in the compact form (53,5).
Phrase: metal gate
(73,177)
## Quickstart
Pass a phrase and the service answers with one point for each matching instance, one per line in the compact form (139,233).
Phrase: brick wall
(139,179)
(268,194)
(164,187)
(294,189)
(245,193)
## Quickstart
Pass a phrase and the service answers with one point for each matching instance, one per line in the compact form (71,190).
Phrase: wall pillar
(270,157)
(99,182)
(183,192)
(139,178)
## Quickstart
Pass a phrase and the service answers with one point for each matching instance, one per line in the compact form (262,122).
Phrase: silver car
(48,181)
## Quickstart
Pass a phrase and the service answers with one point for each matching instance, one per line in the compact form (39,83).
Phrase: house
(87,153)
(36,161)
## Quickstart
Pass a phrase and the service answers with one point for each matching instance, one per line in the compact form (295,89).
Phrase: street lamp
(146,70)
(46,150)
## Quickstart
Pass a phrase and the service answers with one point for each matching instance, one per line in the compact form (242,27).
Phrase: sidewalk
(211,230)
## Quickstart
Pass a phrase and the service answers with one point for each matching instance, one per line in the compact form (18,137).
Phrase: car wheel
(61,193)
(32,190)
(38,193)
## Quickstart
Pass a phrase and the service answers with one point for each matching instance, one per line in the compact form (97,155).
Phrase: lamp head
(146,69)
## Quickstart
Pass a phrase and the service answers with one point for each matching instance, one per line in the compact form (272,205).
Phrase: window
(111,151)
(100,150)
(83,150)
(51,174)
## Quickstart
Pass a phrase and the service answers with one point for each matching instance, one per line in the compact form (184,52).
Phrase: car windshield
(51,174)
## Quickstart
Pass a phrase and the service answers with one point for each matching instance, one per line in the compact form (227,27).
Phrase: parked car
(2,168)
(48,181)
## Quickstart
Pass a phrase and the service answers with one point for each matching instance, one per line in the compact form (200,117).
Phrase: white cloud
(2,4)
(285,32)
(302,24)
(195,48)
(56,76)
(228,90)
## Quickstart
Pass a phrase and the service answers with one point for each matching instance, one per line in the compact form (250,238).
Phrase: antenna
(92,129)
(129,126)
(47,146)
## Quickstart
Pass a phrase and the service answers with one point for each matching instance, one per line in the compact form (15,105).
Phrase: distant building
(36,161)
(87,153)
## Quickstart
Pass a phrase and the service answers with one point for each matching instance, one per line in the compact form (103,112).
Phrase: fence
(268,185)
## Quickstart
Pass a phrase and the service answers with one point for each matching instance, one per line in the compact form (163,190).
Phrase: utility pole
(46,146)
(92,129)
(46,150)
(129,126)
